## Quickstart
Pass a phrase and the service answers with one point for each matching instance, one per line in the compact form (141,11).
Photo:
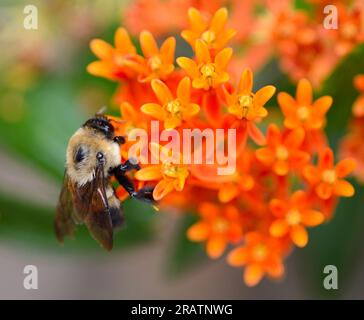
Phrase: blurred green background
(45,94)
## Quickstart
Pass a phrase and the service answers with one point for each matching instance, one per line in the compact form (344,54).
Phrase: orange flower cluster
(305,47)
(352,144)
(285,179)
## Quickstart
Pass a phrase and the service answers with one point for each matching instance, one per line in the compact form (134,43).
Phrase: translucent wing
(64,223)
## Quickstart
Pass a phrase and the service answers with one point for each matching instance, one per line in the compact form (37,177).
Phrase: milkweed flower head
(255,214)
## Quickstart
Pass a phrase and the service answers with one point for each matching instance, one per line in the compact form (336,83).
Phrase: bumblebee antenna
(101,112)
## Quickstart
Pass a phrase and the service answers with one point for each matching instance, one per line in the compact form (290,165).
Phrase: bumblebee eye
(80,155)
(100,156)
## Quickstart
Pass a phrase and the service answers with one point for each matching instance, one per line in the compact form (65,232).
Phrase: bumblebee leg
(146,194)
(126,183)
(127,166)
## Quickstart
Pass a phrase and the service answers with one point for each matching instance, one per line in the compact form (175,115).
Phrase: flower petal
(149,173)
(345,167)
(304,93)
(343,188)
(322,105)
(324,190)
(311,174)
(253,274)
(222,58)
(161,91)
(312,218)
(148,44)
(238,257)
(101,49)
(197,22)
(219,19)
(198,232)
(278,228)
(184,90)
(202,52)
(162,188)
(215,247)
(299,236)
(326,159)
(263,95)
(123,42)
(287,103)
(154,110)
(189,66)
(168,48)
(246,82)
(228,192)
(255,134)
(265,155)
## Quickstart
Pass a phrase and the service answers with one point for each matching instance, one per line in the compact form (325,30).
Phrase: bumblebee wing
(98,217)
(64,222)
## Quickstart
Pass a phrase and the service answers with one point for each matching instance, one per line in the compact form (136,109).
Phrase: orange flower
(241,180)
(245,105)
(260,254)
(283,151)
(159,62)
(327,179)
(358,107)
(218,226)
(173,110)
(302,112)
(115,63)
(293,216)
(171,174)
(205,72)
(213,33)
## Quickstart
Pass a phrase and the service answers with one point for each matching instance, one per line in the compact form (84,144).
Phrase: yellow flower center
(220,225)
(155,63)
(208,36)
(174,170)
(303,113)
(282,153)
(174,108)
(260,252)
(245,103)
(208,72)
(293,217)
(329,176)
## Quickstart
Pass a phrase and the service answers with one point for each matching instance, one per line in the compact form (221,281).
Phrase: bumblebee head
(102,125)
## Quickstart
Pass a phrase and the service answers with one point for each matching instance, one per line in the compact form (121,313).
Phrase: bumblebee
(87,196)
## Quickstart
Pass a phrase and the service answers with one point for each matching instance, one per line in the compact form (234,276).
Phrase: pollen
(260,252)
(329,176)
(173,170)
(174,108)
(282,153)
(303,113)
(208,71)
(245,103)
(220,225)
(155,63)
(293,217)
(208,36)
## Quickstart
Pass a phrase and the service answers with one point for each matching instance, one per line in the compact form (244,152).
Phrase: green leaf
(25,224)
(183,253)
